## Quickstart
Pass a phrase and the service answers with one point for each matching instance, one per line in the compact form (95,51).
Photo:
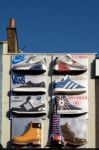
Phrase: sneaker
(32,64)
(31,106)
(30,87)
(67,65)
(66,85)
(65,107)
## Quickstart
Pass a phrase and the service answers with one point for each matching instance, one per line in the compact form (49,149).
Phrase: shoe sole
(18,112)
(71,111)
(32,142)
(29,68)
(68,91)
(75,144)
(30,90)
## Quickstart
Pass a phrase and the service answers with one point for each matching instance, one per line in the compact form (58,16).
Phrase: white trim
(59,90)
(71,85)
(28,89)
(36,112)
(71,111)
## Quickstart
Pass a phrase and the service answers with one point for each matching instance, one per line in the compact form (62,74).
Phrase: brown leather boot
(70,137)
(32,135)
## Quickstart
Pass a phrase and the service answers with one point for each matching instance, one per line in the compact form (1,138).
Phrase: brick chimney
(12,38)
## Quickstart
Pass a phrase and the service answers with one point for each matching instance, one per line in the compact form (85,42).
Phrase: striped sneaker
(65,107)
(68,86)
(68,65)
(31,106)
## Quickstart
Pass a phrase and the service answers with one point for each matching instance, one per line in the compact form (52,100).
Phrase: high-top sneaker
(70,137)
(64,106)
(31,136)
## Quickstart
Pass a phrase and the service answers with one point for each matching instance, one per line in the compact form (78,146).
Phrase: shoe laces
(69,58)
(34,58)
(65,77)
(56,124)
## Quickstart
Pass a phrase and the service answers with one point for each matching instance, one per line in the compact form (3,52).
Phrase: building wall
(97,111)
(5,140)
(91,119)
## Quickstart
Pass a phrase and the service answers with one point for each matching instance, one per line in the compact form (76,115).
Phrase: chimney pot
(12,23)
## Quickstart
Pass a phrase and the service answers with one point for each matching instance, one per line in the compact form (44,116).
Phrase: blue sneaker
(66,85)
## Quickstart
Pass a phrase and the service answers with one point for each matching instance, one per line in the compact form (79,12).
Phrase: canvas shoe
(65,107)
(31,106)
(32,64)
(31,136)
(30,87)
(66,85)
(67,65)
(70,137)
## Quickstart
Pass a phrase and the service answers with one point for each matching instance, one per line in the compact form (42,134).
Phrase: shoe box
(76,119)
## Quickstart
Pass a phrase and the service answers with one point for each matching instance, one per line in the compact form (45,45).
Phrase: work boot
(70,137)
(31,136)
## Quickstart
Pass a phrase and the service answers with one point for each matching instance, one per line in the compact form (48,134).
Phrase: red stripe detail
(63,67)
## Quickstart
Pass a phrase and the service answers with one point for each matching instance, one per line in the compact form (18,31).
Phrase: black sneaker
(30,87)
(31,106)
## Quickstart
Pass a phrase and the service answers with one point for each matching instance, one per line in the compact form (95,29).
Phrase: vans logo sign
(18,79)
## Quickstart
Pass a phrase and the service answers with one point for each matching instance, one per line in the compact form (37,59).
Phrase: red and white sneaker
(68,65)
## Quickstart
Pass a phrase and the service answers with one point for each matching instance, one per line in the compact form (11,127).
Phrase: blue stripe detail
(73,85)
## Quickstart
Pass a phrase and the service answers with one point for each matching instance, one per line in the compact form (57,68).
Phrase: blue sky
(53,25)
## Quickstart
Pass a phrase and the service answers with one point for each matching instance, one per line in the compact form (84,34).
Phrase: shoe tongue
(29,83)
(30,124)
(33,57)
(66,124)
(28,98)
(66,77)
(68,56)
